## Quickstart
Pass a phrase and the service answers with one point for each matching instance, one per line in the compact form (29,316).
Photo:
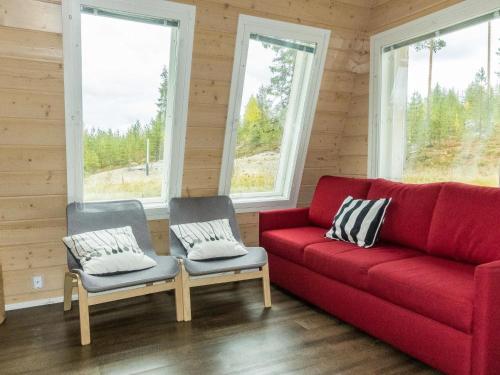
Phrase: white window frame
(291,182)
(174,146)
(462,12)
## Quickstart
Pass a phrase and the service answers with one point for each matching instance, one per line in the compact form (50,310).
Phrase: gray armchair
(188,210)
(85,217)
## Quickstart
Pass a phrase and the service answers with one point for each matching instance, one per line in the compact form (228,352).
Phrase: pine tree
(157,126)
(476,103)
(162,101)
(498,54)
(282,69)
(415,118)
(433,45)
(257,132)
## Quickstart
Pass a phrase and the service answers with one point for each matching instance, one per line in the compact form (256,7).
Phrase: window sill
(161,211)
(156,211)
(261,204)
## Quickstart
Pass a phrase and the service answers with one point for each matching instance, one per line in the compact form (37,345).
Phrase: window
(438,116)
(276,77)
(127,69)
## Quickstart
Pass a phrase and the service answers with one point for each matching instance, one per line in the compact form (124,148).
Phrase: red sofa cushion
(440,289)
(289,243)
(329,195)
(465,224)
(439,345)
(348,263)
(409,215)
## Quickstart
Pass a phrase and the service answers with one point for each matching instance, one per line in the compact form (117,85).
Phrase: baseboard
(60,299)
(37,302)
(52,300)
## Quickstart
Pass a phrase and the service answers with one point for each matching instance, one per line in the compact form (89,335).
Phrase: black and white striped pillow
(359,221)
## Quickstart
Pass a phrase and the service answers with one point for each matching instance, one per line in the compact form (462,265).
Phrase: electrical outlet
(37,282)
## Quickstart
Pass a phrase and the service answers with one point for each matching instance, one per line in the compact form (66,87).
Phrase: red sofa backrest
(466,224)
(329,195)
(451,220)
(409,215)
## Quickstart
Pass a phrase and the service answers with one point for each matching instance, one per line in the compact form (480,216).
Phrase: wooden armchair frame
(85,299)
(93,289)
(189,282)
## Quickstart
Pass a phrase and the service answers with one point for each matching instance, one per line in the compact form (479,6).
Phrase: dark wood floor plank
(230,334)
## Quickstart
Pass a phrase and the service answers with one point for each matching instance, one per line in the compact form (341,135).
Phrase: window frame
(174,150)
(455,14)
(248,202)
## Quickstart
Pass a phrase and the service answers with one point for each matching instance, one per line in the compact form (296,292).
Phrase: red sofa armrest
(486,323)
(280,219)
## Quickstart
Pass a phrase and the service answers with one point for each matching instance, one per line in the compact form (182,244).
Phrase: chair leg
(266,285)
(179,306)
(68,291)
(186,294)
(83,306)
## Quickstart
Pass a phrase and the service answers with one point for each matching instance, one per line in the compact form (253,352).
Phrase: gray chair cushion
(86,217)
(256,257)
(166,269)
(189,210)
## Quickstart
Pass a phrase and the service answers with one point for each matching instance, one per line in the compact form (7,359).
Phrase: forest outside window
(131,68)
(439,112)
(274,90)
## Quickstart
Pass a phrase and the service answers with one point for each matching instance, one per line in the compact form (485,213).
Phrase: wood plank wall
(32,141)
(385,14)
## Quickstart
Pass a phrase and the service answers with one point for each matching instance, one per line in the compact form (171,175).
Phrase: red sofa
(430,286)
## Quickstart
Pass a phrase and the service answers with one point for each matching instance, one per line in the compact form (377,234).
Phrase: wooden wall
(385,14)
(32,141)
(32,153)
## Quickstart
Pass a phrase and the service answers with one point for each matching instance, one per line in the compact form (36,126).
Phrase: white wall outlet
(37,282)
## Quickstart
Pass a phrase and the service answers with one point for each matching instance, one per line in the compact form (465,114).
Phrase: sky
(121,66)
(456,65)
(257,70)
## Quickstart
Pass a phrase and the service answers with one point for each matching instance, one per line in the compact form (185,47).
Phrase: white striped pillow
(108,251)
(359,221)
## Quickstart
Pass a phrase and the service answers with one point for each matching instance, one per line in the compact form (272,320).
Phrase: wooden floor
(230,334)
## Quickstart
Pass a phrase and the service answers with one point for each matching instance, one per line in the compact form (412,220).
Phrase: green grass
(141,189)
(436,175)
(128,190)
(474,162)
(242,183)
